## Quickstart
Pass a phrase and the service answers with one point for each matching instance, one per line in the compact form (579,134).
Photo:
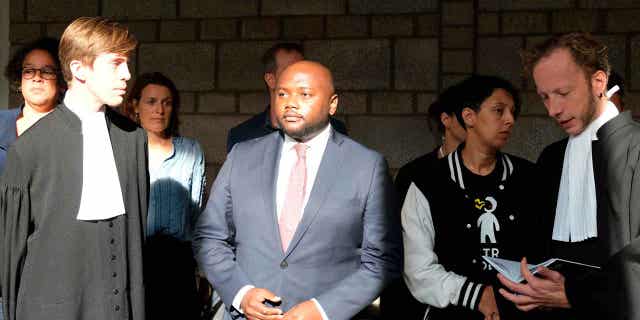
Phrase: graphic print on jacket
(477,216)
(458,217)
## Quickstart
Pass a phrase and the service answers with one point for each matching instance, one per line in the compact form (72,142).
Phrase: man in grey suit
(300,223)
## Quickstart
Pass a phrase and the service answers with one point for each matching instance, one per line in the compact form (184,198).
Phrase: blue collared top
(8,134)
(177,188)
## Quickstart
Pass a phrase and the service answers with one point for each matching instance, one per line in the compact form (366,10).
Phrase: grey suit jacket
(346,247)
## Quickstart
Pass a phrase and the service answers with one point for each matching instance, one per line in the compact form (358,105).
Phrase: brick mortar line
(392,63)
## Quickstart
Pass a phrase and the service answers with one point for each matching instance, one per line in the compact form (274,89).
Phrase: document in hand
(511,269)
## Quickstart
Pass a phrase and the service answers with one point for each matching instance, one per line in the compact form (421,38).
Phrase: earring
(600,95)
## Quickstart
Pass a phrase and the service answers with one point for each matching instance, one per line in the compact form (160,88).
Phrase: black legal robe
(53,266)
(613,292)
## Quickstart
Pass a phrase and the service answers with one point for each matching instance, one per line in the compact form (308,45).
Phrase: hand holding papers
(508,268)
(511,269)
(545,289)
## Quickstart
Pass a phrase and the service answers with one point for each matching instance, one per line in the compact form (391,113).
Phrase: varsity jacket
(452,217)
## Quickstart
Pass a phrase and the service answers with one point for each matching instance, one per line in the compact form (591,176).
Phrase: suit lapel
(327,175)
(268,180)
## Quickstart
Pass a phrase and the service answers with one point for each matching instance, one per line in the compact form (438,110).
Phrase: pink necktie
(292,207)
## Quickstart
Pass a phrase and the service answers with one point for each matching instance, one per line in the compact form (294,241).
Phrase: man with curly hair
(592,191)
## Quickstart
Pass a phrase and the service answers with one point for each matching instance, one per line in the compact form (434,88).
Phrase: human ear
(445,119)
(333,104)
(448,120)
(270,79)
(78,70)
(468,117)
(599,83)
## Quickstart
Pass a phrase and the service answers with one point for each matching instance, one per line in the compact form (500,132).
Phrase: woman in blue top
(177,180)
(176,164)
(33,71)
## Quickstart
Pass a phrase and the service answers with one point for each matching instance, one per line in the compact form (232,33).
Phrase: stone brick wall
(390,58)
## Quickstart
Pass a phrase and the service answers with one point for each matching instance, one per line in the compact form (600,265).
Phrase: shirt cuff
(322,313)
(237,300)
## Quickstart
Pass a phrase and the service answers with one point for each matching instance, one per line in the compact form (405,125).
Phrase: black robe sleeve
(15,217)
(614,291)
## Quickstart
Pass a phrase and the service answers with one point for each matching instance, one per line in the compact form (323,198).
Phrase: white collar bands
(101,197)
(576,206)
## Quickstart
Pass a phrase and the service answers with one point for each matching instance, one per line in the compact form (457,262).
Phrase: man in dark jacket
(275,60)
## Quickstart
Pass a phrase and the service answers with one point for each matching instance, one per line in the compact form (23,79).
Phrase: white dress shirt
(101,197)
(288,158)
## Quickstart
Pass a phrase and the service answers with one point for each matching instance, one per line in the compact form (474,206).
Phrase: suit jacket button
(283,265)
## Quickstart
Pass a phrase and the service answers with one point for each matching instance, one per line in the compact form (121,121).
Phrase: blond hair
(87,37)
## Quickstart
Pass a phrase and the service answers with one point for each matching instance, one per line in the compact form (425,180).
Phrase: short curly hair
(13,70)
(587,52)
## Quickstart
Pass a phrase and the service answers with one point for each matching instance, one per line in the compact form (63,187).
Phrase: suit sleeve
(15,217)
(426,278)
(613,291)
(380,252)
(214,238)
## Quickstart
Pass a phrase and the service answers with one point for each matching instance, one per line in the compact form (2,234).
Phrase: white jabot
(576,206)
(288,158)
(101,197)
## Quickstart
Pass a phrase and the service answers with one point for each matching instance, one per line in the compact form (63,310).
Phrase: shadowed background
(390,58)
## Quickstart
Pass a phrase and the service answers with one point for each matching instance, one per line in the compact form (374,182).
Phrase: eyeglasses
(45,73)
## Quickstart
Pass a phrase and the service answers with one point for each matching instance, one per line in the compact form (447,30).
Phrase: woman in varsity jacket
(475,202)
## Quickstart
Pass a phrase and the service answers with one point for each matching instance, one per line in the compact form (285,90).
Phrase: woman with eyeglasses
(33,71)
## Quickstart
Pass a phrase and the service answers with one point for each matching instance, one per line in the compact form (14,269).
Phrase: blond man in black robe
(73,195)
